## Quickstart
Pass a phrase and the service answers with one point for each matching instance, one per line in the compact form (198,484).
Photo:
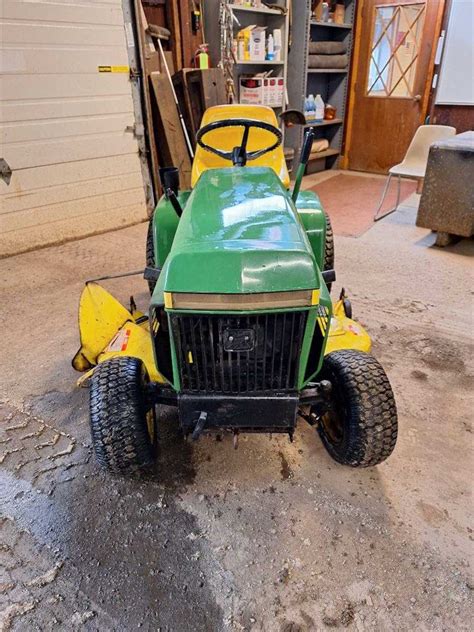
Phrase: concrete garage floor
(274,536)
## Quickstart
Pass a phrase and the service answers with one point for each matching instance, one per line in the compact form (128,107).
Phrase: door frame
(362,16)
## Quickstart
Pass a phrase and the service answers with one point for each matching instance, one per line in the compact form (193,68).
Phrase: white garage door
(75,165)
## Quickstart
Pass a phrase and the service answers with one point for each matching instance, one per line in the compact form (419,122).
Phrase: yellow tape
(168,300)
(124,69)
(315,297)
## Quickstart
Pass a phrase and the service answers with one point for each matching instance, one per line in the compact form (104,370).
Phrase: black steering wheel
(239,155)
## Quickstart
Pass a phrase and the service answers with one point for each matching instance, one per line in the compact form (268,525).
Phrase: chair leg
(392,210)
(399,188)
(387,184)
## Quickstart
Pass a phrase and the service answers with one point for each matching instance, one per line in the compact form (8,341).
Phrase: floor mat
(351,201)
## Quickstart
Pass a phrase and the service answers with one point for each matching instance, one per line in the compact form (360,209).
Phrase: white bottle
(270,48)
(325,16)
(319,109)
(277,44)
(311,108)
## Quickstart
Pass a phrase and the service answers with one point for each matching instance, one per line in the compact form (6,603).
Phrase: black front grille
(208,362)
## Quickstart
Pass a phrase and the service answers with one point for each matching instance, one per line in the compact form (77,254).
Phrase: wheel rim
(333,420)
(333,427)
(150,416)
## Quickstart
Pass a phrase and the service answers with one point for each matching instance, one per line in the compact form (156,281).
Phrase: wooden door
(393,62)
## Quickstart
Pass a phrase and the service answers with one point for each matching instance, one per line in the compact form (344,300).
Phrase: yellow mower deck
(107,329)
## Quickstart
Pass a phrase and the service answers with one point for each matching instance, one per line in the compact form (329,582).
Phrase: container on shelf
(257,43)
(329,112)
(277,42)
(251,43)
(270,48)
(310,109)
(319,109)
(339,13)
(258,90)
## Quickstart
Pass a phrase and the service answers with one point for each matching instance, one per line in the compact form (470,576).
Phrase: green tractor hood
(239,233)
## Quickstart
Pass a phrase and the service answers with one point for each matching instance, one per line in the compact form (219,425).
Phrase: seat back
(416,157)
(230,137)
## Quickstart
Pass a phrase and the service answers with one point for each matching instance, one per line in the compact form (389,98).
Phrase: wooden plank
(172,12)
(169,132)
(149,63)
(181,86)
(213,87)
(206,88)
(190,41)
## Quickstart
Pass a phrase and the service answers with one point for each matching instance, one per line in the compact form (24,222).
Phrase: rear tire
(361,428)
(150,253)
(328,262)
(123,424)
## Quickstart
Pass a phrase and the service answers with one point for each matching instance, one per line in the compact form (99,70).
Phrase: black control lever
(171,195)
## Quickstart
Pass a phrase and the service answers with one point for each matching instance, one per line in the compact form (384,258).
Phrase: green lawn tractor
(241,334)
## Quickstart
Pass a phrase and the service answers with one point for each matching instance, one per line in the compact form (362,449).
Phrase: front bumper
(272,412)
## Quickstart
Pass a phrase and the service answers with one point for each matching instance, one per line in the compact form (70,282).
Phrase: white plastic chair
(415,161)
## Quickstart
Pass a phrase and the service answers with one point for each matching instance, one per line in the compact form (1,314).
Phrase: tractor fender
(311,213)
(165,223)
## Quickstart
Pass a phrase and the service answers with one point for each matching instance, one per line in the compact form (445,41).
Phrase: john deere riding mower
(241,334)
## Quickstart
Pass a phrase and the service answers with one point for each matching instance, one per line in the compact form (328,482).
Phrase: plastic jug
(319,109)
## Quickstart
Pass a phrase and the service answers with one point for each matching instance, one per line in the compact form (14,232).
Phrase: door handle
(417,97)
(5,171)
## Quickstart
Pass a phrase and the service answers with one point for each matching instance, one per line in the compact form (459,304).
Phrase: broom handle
(186,135)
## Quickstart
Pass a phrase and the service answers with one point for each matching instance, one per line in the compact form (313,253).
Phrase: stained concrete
(272,536)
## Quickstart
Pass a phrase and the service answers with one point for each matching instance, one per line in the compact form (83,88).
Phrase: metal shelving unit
(264,10)
(246,16)
(331,83)
(336,121)
(331,25)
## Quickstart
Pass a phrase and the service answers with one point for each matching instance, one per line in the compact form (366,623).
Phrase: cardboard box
(273,89)
(257,43)
(261,90)
(251,90)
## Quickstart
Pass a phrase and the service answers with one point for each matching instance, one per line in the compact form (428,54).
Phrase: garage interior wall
(66,128)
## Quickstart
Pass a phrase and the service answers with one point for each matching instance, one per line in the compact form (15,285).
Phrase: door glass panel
(396,38)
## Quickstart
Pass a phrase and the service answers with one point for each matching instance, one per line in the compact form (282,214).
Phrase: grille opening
(161,340)
(322,324)
(271,364)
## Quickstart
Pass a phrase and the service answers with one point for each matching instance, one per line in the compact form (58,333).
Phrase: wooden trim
(431,68)
(344,161)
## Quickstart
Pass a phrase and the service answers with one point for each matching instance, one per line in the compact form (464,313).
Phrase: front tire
(123,424)
(361,428)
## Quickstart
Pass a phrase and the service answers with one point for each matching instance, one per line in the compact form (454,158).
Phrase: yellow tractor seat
(230,137)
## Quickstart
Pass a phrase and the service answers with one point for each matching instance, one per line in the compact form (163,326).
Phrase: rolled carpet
(328,61)
(327,48)
(319,145)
